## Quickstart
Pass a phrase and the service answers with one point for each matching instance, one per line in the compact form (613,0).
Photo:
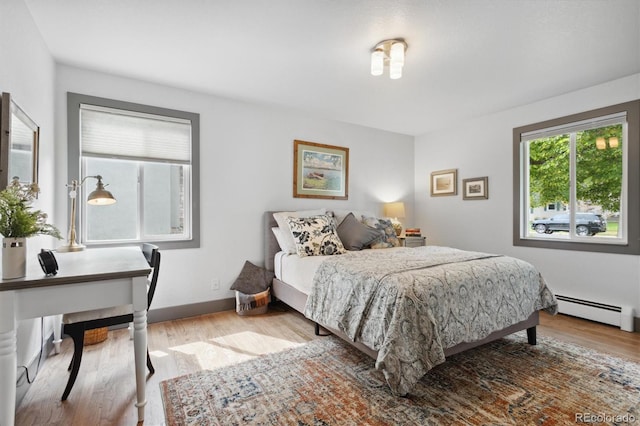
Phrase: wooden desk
(90,279)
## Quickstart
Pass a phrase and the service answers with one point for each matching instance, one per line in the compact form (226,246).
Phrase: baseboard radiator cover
(620,316)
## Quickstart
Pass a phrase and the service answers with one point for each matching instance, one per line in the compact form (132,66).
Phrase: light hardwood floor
(104,392)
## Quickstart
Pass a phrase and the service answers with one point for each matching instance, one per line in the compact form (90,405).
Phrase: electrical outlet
(215,284)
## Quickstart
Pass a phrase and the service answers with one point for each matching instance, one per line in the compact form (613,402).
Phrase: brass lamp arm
(87,177)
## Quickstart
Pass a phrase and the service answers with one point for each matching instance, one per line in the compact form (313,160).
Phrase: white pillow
(281,237)
(288,244)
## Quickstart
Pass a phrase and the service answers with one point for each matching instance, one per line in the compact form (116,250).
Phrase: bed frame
(297,300)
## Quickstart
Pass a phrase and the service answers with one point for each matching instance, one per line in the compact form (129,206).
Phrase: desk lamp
(99,197)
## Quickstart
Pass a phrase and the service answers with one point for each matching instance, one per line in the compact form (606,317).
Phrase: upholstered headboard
(271,246)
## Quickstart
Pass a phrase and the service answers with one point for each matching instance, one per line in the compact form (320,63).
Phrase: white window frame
(190,238)
(186,235)
(526,138)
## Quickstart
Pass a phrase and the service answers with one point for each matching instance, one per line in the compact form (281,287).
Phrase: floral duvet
(409,304)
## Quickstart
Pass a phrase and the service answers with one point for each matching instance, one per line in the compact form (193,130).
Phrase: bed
(405,331)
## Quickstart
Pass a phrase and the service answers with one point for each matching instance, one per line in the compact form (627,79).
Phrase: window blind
(114,133)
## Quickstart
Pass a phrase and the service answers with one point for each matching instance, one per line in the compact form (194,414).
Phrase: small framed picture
(475,188)
(444,182)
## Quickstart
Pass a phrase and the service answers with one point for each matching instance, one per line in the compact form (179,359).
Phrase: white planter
(14,258)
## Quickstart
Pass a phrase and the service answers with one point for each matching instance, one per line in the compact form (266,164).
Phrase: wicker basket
(97,335)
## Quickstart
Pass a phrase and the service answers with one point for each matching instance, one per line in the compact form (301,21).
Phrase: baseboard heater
(620,316)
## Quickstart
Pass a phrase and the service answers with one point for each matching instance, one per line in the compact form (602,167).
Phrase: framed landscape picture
(444,182)
(320,171)
(475,188)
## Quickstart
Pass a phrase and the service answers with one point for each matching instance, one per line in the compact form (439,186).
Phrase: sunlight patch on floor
(256,342)
(233,348)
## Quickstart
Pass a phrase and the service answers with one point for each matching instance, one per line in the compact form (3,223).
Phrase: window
(149,158)
(576,181)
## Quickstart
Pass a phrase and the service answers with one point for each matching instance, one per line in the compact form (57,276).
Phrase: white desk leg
(8,359)
(57,333)
(140,350)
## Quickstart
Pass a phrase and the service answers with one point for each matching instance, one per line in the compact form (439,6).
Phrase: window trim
(632,246)
(74,159)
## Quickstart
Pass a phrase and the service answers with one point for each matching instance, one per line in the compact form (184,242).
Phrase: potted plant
(19,221)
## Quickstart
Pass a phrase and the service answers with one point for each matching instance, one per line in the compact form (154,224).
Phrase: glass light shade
(613,142)
(600,143)
(397,54)
(395,70)
(377,62)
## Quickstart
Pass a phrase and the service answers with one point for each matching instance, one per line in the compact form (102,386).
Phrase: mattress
(297,271)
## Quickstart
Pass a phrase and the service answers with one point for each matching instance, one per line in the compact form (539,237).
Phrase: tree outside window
(598,170)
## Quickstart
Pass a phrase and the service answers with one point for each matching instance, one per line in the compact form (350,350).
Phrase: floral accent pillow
(315,236)
(389,237)
(287,244)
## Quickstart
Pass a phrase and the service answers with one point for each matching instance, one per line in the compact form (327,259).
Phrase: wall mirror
(19,137)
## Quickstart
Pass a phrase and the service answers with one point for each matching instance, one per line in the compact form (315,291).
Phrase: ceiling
(466,58)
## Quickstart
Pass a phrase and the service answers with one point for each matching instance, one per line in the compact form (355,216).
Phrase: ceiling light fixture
(391,53)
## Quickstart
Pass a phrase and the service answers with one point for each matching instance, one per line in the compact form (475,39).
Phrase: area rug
(327,382)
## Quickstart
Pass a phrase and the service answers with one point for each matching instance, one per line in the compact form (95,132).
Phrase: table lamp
(395,211)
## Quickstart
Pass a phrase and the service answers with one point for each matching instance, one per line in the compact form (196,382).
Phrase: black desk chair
(75,324)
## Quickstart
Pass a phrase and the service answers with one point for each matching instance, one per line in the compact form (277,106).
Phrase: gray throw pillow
(252,279)
(355,235)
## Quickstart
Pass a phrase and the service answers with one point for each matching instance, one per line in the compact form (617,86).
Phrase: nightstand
(412,241)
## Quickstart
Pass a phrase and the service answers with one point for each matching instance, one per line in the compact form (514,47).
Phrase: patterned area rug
(327,382)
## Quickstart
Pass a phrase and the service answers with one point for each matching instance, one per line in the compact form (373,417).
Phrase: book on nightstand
(412,232)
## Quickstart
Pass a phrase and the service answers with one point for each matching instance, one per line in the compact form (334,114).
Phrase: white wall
(246,168)
(247,160)
(27,73)
(483,147)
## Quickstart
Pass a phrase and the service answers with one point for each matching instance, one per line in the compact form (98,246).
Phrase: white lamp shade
(613,142)
(377,62)
(600,143)
(394,210)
